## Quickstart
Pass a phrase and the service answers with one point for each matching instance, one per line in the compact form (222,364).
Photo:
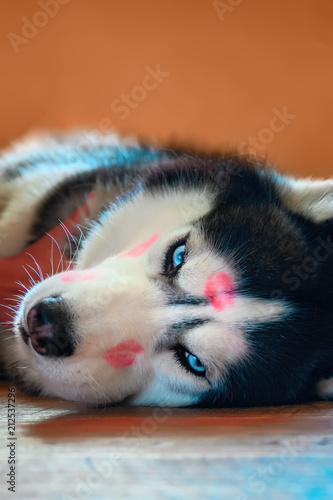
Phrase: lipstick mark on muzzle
(123,354)
(74,276)
(140,249)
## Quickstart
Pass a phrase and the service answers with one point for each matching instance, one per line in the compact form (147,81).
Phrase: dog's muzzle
(49,328)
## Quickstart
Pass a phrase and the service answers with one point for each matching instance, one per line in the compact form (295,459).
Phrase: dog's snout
(49,328)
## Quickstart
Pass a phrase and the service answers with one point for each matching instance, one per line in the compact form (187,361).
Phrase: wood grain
(66,451)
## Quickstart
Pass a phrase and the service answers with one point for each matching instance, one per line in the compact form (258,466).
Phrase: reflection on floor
(64,451)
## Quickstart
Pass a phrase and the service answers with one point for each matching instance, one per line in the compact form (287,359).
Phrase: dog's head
(209,284)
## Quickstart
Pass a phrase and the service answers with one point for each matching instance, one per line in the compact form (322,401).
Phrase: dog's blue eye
(174,258)
(189,361)
(178,256)
(194,363)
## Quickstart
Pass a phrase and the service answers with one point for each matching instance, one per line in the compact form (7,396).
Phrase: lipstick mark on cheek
(140,249)
(123,354)
(219,289)
(73,276)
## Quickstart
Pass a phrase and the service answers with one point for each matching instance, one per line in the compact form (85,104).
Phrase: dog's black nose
(49,328)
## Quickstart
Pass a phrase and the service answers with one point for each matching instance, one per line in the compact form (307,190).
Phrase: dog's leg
(44,179)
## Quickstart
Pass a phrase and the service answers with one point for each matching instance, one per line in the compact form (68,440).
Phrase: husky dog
(199,280)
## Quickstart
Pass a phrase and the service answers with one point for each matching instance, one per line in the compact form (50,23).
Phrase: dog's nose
(49,328)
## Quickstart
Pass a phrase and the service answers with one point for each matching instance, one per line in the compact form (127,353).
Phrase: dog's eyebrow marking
(140,249)
(123,354)
(187,324)
(175,328)
(189,300)
(73,276)
(219,289)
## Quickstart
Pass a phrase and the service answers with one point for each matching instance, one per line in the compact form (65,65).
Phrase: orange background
(227,72)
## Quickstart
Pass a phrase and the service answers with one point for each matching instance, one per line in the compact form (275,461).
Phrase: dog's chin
(30,379)
(28,384)
(21,379)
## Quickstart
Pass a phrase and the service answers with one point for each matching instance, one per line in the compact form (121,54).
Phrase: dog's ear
(310,198)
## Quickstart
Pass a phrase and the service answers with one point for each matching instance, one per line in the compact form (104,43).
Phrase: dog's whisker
(69,237)
(12,299)
(78,244)
(55,241)
(81,232)
(60,263)
(102,392)
(11,316)
(40,272)
(51,259)
(32,281)
(5,324)
(61,254)
(72,239)
(84,227)
(35,271)
(11,336)
(11,308)
(19,283)
(95,232)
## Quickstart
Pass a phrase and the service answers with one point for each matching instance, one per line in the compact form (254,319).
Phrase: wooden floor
(63,451)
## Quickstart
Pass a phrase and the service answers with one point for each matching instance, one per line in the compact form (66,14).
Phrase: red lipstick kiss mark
(123,354)
(219,289)
(73,276)
(140,249)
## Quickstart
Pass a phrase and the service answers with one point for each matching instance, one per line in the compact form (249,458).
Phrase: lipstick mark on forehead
(219,289)
(123,354)
(73,276)
(140,249)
